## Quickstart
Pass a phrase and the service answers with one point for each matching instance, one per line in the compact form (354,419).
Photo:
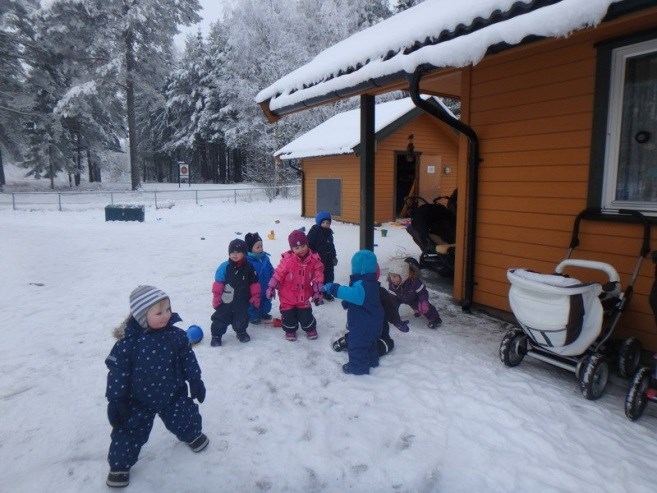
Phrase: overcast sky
(212,11)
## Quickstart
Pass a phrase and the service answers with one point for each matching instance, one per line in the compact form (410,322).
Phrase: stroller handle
(589,264)
(596,213)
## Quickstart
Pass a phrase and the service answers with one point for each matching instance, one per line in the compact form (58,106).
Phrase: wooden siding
(532,110)
(430,137)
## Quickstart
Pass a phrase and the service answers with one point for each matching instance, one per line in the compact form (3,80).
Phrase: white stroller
(568,323)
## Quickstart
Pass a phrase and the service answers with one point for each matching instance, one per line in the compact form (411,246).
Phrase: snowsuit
(365,315)
(295,278)
(148,369)
(262,266)
(385,343)
(413,292)
(320,241)
(234,285)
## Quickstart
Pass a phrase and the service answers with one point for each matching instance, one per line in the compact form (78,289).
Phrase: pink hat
(297,238)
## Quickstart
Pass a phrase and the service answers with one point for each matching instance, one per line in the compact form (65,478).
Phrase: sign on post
(183,176)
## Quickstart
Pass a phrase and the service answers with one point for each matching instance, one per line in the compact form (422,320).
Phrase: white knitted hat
(399,267)
(141,299)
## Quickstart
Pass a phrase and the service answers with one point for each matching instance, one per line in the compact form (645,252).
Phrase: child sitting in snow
(148,370)
(384,343)
(259,259)
(235,286)
(364,312)
(410,290)
(320,241)
(298,277)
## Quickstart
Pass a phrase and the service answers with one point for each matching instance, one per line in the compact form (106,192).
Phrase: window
(630,141)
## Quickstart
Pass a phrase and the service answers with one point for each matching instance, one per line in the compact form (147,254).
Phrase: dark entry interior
(405,176)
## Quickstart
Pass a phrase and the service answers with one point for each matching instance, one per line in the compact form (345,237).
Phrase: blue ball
(194,334)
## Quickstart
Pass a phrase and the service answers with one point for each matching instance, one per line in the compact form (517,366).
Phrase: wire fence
(158,199)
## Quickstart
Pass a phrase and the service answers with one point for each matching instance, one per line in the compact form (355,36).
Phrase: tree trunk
(52,171)
(130,99)
(222,163)
(78,159)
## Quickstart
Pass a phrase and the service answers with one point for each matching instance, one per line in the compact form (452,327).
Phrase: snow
(341,133)
(426,20)
(441,413)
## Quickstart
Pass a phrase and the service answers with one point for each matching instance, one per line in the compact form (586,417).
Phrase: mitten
(118,412)
(217,291)
(335,261)
(344,304)
(255,294)
(327,287)
(197,390)
(318,297)
(271,289)
(423,307)
(402,325)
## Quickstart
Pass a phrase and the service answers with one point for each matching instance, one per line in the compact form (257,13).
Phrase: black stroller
(433,229)
(569,323)
(643,388)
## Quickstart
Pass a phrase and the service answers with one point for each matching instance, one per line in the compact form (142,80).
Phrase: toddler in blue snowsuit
(259,259)
(364,312)
(148,370)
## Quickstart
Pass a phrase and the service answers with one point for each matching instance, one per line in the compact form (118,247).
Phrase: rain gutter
(438,112)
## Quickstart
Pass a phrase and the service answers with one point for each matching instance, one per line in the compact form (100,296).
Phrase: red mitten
(217,291)
(255,294)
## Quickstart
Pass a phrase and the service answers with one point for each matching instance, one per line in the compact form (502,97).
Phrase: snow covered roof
(433,34)
(340,134)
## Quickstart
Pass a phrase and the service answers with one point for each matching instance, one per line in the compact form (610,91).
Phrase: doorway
(405,180)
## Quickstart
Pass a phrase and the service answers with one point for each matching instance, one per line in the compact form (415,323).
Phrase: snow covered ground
(440,414)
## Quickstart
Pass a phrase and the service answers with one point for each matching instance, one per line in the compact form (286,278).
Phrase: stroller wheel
(629,357)
(594,376)
(513,347)
(636,400)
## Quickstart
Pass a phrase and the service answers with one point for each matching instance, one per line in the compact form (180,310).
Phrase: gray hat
(141,299)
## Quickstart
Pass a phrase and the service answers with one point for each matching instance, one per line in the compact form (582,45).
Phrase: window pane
(637,157)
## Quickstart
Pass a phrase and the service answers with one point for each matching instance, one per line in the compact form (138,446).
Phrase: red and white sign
(184,171)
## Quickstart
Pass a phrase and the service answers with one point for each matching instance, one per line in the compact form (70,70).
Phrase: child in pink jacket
(299,277)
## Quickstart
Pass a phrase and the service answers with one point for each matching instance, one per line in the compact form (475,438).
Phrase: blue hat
(322,216)
(363,262)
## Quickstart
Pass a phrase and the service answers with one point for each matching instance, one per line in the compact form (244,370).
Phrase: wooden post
(367,172)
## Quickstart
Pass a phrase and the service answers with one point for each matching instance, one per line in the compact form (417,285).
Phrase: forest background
(86,83)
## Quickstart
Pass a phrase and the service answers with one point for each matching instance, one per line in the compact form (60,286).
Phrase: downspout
(473,180)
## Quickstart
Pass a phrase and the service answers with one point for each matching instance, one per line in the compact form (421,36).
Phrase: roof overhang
(439,80)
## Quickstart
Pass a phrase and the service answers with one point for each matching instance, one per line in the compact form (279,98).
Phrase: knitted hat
(363,262)
(141,299)
(297,238)
(251,239)
(322,216)
(237,245)
(399,267)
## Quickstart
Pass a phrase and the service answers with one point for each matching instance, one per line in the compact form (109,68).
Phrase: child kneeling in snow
(410,290)
(384,343)
(148,370)
(364,312)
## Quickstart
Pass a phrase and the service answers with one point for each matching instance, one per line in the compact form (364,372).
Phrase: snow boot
(199,443)
(437,322)
(215,342)
(118,479)
(340,344)
(243,337)
(255,321)
(312,334)
(291,336)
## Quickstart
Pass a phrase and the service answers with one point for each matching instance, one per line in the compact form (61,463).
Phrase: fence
(158,199)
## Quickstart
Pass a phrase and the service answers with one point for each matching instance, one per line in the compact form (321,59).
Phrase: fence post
(59,200)
(111,198)
(235,194)
(13,201)
(155,194)
(196,193)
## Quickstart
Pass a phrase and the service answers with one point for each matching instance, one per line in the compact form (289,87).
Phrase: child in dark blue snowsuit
(364,312)
(320,241)
(235,286)
(148,370)
(259,259)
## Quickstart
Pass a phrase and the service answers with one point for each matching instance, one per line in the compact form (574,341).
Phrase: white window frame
(619,59)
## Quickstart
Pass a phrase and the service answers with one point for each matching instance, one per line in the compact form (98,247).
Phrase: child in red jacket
(299,277)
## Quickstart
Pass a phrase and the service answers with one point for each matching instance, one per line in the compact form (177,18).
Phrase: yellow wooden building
(558,113)
(415,155)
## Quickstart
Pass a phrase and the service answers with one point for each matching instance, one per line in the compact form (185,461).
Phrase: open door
(406,182)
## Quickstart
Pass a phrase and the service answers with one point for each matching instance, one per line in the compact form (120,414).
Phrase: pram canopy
(560,314)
